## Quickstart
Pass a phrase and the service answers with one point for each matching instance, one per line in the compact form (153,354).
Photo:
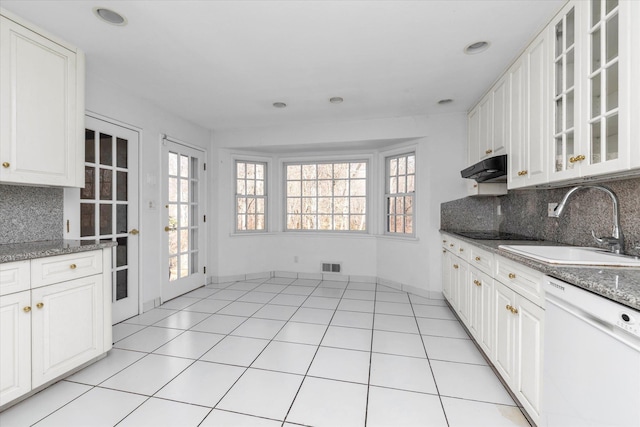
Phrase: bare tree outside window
(400,194)
(251,196)
(326,196)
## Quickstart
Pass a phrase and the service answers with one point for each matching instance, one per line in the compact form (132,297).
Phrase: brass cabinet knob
(444,241)
(477,282)
(512,276)
(73,266)
(514,310)
(489,151)
(456,266)
(6,164)
(26,309)
(444,251)
(134,232)
(523,173)
(40,305)
(572,159)
(461,249)
(167,228)
(477,258)
(451,244)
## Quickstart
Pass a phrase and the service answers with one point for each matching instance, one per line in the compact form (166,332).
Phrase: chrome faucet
(616,241)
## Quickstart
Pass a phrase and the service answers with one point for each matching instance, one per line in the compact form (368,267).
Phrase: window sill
(411,239)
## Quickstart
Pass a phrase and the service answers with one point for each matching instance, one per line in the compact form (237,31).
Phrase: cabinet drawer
(481,259)
(14,277)
(521,279)
(45,271)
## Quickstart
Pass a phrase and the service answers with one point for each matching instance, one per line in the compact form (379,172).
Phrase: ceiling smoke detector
(476,47)
(279,104)
(109,16)
(336,100)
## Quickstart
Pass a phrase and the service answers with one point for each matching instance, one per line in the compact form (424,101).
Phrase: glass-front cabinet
(595,95)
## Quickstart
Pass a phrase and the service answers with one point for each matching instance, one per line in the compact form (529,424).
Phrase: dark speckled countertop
(620,284)
(24,251)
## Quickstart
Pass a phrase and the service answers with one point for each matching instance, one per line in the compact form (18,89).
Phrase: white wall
(107,99)
(440,144)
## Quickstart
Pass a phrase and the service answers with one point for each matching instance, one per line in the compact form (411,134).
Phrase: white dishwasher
(591,360)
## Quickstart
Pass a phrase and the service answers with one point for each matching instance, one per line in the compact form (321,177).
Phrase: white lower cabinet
(15,346)
(504,313)
(49,330)
(67,324)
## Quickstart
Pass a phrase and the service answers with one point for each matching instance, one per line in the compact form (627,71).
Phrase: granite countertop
(619,284)
(30,250)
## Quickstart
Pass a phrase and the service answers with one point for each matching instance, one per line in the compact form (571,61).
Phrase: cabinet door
(446,274)
(15,346)
(608,29)
(67,326)
(536,153)
(501,110)
(473,141)
(486,127)
(464,290)
(505,327)
(529,355)
(487,304)
(42,110)
(516,157)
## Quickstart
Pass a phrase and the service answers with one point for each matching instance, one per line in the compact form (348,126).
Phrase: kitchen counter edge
(619,284)
(12,252)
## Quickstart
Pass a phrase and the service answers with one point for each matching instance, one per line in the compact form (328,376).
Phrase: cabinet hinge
(205,270)
(205,166)
(204,218)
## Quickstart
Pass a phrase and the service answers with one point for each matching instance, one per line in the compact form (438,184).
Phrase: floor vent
(330,268)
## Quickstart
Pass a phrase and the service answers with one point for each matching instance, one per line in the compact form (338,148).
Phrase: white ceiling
(221,64)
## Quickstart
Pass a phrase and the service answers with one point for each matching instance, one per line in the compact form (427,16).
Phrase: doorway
(108,206)
(184,244)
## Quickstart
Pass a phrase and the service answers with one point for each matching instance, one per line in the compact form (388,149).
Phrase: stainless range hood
(493,169)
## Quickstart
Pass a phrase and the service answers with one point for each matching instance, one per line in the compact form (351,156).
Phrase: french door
(184,244)
(108,206)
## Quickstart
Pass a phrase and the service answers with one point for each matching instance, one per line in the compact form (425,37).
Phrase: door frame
(71,208)
(203,204)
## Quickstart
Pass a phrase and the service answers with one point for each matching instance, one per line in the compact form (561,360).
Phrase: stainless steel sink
(572,255)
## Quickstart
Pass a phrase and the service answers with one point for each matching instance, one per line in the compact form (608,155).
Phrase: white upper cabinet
(527,161)
(570,104)
(42,107)
(595,96)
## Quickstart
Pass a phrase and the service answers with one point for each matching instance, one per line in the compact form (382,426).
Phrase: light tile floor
(282,352)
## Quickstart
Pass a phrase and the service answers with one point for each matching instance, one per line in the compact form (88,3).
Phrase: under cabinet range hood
(493,169)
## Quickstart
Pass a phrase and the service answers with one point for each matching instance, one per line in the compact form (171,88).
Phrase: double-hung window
(400,194)
(328,196)
(251,196)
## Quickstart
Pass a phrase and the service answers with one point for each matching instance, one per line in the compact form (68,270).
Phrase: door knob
(134,232)
(167,228)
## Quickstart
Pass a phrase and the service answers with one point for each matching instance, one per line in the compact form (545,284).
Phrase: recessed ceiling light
(336,100)
(279,104)
(476,47)
(109,16)
(445,101)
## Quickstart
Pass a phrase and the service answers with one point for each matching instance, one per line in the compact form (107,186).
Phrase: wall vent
(330,268)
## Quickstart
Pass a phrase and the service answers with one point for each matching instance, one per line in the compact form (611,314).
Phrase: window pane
(87,219)
(340,205)
(408,224)
(106,184)
(309,205)
(411,164)
(341,170)
(173,189)
(341,187)
(121,252)
(121,218)
(325,222)
(341,222)
(121,186)
(293,171)
(241,205)
(309,172)
(393,167)
(184,166)
(325,188)
(325,171)
(240,187)
(358,170)
(89,190)
(251,188)
(251,170)
(106,215)
(293,188)
(260,206)
(358,187)
(240,170)
(309,188)
(357,222)
(294,222)
(294,205)
(325,205)
(358,205)
(173,164)
(410,183)
(260,188)
(89,146)
(259,171)
(121,284)
(121,153)
(106,154)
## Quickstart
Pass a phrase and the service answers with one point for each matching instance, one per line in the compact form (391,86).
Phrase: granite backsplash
(525,212)
(30,214)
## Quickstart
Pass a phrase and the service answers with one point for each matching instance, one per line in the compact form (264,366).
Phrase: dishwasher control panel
(629,322)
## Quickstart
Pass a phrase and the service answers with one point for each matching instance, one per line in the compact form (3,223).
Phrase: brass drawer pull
(40,305)
(444,251)
(523,173)
(477,282)
(456,266)
(488,151)
(477,258)
(508,307)
(512,276)
(451,244)
(73,266)
(26,309)
(6,164)
(461,249)
(444,241)
(577,158)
